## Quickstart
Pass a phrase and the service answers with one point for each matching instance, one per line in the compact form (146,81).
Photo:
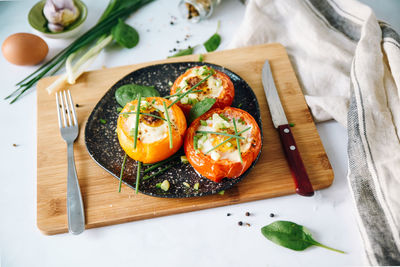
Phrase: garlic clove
(60,13)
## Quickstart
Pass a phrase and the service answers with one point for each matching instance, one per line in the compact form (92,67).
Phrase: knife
(300,177)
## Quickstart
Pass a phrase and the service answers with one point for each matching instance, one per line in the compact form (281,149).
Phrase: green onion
(169,125)
(196,186)
(184,159)
(240,104)
(224,117)
(119,109)
(159,164)
(190,90)
(237,141)
(203,123)
(139,165)
(196,142)
(225,134)
(143,113)
(137,121)
(159,172)
(103,121)
(122,172)
(227,140)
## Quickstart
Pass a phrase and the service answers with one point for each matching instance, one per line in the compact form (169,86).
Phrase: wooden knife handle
(300,177)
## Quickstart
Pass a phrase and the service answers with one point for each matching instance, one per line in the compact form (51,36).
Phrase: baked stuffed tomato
(153,140)
(212,148)
(218,86)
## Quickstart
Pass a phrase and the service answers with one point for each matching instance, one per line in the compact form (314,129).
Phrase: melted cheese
(146,133)
(227,151)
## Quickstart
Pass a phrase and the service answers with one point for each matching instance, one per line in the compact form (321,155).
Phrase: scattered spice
(271,215)
(247,213)
(172,23)
(240,223)
(247,224)
(228,214)
(15,145)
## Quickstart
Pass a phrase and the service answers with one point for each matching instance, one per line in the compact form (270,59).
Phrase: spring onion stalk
(98,34)
(227,140)
(237,141)
(120,175)
(137,121)
(139,165)
(190,90)
(169,125)
(218,133)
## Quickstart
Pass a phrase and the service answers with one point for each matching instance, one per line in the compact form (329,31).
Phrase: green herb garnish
(203,123)
(103,121)
(184,159)
(164,185)
(129,92)
(292,236)
(137,121)
(237,141)
(220,133)
(178,94)
(196,186)
(119,109)
(139,165)
(291,124)
(186,184)
(122,172)
(183,52)
(190,90)
(214,41)
(200,108)
(143,113)
(196,142)
(224,117)
(159,164)
(159,172)
(169,125)
(201,57)
(240,104)
(227,140)
(222,192)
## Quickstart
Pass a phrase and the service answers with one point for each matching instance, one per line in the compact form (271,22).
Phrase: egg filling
(221,123)
(211,88)
(150,128)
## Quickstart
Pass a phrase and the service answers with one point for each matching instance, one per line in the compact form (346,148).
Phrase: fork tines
(65,108)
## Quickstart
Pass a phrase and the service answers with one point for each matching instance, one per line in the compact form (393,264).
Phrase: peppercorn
(77,105)
(240,223)
(271,215)
(247,213)
(228,214)
(172,23)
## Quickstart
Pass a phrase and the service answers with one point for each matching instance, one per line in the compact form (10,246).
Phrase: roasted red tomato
(153,142)
(218,86)
(212,149)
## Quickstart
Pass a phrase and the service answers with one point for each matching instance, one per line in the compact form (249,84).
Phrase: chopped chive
(203,123)
(122,172)
(186,184)
(196,186)
(291,124)
(190,90)
(119,109)
(169,125)
(222,192)
(103,121)
(227,140)
(137,121)
(159,172)
(158,185)
(241,121)
(196,142)
(139,164)
(159,164)
(163,161)
(146,114)
(170,83)
(224,117)
(218,133)
(237,141)
(178,94)
(240,104)
(164,185)
(201,57)
(184,159)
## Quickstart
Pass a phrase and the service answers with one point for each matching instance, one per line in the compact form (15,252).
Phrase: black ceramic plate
(102,142)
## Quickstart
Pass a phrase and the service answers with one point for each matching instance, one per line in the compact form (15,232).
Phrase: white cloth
(348,65)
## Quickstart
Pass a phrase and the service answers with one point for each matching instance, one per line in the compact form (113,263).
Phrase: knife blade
(299,174)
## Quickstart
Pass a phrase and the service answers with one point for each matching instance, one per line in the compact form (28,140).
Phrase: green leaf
(128,92)
(291,235)
(200,108)
(213,42)
(183,52)
(125,35)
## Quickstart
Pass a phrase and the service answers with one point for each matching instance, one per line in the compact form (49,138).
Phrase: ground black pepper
(240,223)
(228,214)
(271,215)
(247,213)
(77,105)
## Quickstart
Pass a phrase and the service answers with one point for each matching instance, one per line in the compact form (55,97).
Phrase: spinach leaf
(291,235)
(125,35)
(200,108)
(128,92)
(214,41)
(183,52)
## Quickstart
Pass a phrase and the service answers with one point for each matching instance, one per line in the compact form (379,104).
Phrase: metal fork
(69,132)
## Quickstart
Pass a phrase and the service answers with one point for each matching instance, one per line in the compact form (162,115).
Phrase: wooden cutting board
(271,176)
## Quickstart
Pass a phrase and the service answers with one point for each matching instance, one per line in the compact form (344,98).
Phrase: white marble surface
(203,238)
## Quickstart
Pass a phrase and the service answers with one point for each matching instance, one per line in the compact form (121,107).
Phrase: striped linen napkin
(348,65)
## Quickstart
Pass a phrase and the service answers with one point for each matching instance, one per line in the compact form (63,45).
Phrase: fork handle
(76,215)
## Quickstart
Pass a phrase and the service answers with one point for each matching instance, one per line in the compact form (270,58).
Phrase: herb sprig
(227,140)
(135,137)
(169,125)
(121,174)
(219,133)
(237,141)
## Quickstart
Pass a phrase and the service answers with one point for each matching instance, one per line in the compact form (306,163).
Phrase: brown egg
(24,49)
